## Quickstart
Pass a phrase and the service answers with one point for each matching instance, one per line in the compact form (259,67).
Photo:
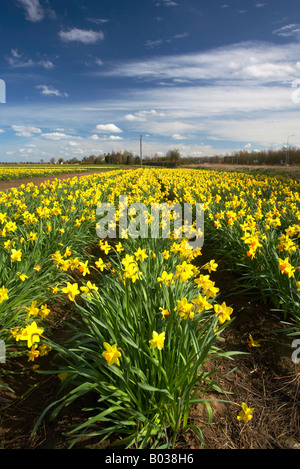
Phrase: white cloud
(108,128)
(288,30)
(46,64)
(25,150)
(17,60)
(178,137)
(98,20)
(55,135)
(25,130)
(232,63)
(167,3)
(81,35)
(151,44)
(115,137)
(2,131)
(141,116)
(51,91)
(33,9)
(268,130)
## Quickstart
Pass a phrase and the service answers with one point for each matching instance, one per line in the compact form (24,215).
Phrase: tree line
(285,155)
(173,158)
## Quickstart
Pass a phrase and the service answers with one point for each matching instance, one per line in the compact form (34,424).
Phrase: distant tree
(173,156)
(61,160)
(98,159)
(108,158)
(52,160)
(73,161)
(129,159)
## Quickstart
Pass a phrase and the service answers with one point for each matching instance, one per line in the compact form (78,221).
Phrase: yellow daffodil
(252,343)
(31,334)
(111,354)
(16,255)
(223,312)
(246,413)
(157,340)
(71,290)
(285,267)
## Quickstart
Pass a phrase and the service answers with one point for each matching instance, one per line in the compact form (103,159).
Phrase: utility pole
(141,151)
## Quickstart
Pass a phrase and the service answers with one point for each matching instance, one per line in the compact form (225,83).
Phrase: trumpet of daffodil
(223,312)
(285,267)
(111,354)
(246,413)
(157,340)
(71,290)
(3,294)
(252,343)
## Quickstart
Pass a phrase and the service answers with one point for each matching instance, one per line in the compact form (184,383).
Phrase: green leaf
(149,388)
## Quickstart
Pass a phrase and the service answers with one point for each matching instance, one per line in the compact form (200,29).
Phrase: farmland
(9,172)
(151,335)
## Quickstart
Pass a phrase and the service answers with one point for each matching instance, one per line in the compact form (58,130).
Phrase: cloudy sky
(203,76)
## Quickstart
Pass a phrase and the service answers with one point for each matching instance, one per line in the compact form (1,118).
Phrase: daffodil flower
(246,413)
(111,354)
(157,340)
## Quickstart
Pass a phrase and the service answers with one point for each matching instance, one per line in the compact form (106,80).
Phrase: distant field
(289,171)
(8,172)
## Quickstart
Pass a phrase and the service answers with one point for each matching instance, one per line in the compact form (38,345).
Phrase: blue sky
(205,77)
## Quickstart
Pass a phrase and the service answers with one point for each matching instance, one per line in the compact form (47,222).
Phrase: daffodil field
(8,172)
(147,320)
